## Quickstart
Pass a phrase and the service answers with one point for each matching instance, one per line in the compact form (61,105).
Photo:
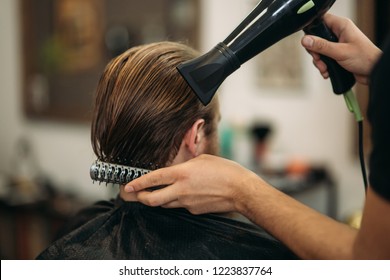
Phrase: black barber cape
(129,230)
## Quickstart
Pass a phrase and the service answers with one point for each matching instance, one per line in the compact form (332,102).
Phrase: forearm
(308,233)
(226,186)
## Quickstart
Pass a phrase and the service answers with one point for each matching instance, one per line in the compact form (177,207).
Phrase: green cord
(353,105)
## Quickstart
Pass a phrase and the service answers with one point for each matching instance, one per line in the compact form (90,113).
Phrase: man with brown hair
(146,115)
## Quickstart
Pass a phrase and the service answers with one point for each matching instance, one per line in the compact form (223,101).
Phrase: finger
(158,197)
(322,67)
(160,177)
(336,24)
(325,75)
(315,56)
(322,46)
(319,64)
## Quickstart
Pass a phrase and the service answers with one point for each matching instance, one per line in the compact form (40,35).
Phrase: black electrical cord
(361,155)
(354,107)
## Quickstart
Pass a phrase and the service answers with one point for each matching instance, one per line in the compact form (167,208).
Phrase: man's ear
(194,138)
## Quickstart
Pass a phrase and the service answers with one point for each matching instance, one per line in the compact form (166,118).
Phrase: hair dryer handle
(342,80)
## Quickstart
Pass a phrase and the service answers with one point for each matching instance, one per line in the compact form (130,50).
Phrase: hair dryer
(268,23)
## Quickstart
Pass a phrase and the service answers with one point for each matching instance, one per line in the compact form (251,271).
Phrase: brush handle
(342,80)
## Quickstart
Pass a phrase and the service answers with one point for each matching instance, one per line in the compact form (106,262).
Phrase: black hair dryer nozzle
(268,23)
(206,73)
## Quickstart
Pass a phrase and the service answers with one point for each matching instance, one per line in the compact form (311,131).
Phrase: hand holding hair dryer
(268,23)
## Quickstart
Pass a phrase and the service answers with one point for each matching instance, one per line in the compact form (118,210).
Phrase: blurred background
(279,117)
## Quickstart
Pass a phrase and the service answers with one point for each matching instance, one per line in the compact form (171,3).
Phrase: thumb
(320,46)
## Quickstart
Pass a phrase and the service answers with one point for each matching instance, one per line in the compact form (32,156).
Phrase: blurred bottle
(260,133)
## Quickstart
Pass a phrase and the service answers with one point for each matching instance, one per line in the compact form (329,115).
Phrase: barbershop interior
(279,117)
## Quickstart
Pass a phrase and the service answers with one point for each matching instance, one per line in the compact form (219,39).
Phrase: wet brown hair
(143,107)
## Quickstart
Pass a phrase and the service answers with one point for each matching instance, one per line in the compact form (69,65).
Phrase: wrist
(371,61)
(249,194)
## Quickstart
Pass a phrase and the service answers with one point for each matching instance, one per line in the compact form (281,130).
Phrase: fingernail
(129,189)
(308,42)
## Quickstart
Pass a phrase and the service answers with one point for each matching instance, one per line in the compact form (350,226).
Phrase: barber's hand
(354,51)
(206,184)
